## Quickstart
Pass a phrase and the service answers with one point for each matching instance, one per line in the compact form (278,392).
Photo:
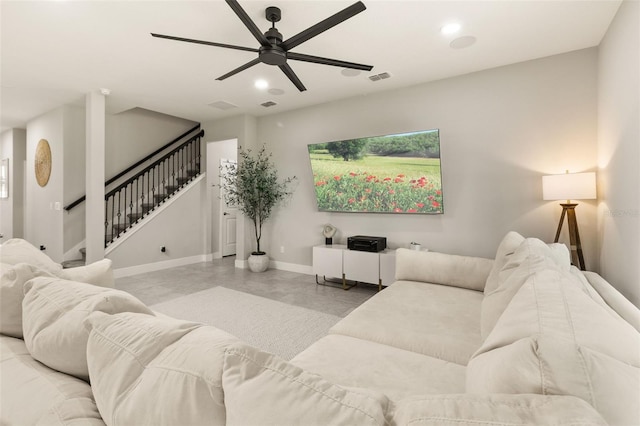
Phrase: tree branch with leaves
(253,187)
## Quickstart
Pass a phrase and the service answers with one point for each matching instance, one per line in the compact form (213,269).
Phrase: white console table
(337,261)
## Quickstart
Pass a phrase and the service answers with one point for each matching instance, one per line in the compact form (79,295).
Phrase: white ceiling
(54,52)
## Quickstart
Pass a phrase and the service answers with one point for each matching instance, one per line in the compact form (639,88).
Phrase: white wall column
(95,176)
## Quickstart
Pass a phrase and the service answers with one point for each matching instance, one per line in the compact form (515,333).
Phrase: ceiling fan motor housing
(272,55)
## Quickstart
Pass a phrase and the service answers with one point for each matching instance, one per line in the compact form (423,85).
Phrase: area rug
(276,327)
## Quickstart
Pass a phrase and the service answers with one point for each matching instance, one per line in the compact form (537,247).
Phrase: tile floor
(288,287)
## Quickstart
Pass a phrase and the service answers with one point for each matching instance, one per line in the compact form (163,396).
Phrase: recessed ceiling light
(261,84)
(350,72)
(450,28)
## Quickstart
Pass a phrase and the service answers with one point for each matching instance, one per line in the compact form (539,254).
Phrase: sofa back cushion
(12,280)
(17,250)
(53,311)
(506,248)
(613,298)
(176,366)
(445,269)
(495,410)
(280,393)
(532,255)
(33,394)
(555,339)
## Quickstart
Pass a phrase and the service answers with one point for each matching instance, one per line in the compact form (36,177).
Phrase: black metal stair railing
(133,199)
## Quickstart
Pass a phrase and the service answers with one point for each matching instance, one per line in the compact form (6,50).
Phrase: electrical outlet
(281,249)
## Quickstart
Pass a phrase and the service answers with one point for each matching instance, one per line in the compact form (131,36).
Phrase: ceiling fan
(274,51)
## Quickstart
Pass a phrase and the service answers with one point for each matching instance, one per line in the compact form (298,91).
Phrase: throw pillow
(12,279)
(52,313)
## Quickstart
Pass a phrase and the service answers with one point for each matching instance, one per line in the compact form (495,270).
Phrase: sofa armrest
(439,268)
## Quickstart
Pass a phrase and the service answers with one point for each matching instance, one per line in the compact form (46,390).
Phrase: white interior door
(228,216)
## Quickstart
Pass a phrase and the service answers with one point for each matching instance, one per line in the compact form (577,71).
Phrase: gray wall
(500,129)
(178,228)
(619,152)
(13,146)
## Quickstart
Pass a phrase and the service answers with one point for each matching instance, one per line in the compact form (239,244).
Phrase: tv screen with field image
(397,173)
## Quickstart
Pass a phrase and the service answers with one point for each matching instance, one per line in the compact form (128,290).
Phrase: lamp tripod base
(569,210)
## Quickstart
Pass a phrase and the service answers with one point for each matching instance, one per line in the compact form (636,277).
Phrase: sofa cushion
(136,359)
(531,255)
(554,339)
(620,304)
(439,268)
(31,393)
(496,410)
(17,250)
(430,319)
(507,246)
(263,389)
(12,279)
(53,311)
(398,373)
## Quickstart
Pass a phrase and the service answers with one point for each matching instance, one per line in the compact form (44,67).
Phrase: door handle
(225,213)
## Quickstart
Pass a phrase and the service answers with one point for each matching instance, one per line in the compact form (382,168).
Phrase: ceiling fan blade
(323,26)
(327,61)
(286,69)
(248,22)
(209,43)
(240,68)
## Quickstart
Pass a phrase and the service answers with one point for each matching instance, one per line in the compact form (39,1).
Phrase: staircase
(148,186)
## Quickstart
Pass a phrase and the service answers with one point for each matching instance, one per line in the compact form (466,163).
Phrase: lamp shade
(569,186)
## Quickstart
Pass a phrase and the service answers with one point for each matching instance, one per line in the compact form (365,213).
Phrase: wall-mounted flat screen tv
(397,173)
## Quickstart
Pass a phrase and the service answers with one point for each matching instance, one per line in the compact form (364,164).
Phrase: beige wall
(500,129)
(619,152)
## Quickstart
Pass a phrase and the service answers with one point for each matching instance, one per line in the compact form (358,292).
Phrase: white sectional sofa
(522,339)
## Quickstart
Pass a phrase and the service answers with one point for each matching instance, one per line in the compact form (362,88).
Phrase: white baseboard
(158,266)
(172,263)
(291,267)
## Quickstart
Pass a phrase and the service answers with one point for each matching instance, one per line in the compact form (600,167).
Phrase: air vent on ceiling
(381,76)
(268,104)
(223,105)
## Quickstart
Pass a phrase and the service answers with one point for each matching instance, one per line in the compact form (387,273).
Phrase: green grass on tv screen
(381,181)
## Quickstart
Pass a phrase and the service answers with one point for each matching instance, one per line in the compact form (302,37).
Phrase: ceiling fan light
(261,84)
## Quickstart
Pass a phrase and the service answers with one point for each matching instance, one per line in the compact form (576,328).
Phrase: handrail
(145,190)
(155,163)
(138,163)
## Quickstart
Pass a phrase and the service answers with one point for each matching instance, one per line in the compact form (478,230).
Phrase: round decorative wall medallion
(43,162)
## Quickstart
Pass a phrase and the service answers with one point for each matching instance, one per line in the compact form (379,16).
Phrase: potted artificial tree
(254,188)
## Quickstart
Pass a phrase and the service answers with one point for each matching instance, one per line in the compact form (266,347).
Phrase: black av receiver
(364,243)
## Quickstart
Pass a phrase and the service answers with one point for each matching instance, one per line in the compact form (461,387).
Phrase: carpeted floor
(276,327)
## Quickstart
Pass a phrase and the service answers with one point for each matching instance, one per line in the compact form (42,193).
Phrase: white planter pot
(258,262)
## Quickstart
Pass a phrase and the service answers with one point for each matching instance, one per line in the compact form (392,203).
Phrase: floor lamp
(570,186)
